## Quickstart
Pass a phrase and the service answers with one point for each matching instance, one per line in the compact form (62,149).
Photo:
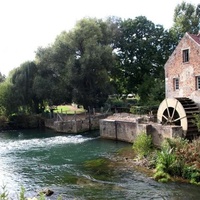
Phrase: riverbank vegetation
(175,159)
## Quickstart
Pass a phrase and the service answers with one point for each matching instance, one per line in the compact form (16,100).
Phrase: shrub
(143,145)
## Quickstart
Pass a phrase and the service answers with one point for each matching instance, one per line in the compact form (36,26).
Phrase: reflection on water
(41,159)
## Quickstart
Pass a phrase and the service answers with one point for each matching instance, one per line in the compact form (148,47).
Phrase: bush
(143,145)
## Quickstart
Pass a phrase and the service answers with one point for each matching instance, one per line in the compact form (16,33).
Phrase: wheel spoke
(179,118)
(165,117)
(174,110)
(167,109)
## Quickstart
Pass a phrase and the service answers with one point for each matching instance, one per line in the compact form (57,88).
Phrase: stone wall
(75,126)
(127,131)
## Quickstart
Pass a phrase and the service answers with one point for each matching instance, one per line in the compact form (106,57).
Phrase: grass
(69,109)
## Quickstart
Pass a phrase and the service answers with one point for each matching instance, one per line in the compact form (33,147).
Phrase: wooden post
(89,118)
(75,115)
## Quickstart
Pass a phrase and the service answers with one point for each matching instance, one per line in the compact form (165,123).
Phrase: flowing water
(44,159)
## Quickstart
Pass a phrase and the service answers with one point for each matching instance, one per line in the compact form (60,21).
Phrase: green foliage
(161,176)
(165,163)
(22,81)
(8,101)
(179,157)
(140,40)
(196,120)
(166,159)
(22,194)
(192,174)
(89,75)
(186,19)
(116,102)
(140,110)
(143,145)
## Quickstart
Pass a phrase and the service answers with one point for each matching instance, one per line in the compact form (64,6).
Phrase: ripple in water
(21,144)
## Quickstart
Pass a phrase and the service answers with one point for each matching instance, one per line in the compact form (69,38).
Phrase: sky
(26,25)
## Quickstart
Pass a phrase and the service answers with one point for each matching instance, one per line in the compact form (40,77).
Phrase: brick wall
(186,72)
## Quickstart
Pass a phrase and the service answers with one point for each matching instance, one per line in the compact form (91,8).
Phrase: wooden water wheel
(180,112)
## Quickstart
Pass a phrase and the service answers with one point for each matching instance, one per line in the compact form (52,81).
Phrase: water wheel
(180,112)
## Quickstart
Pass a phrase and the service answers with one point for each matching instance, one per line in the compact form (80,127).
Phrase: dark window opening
(176,84)
(186,55)
(198,82)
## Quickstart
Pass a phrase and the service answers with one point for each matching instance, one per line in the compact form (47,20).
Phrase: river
(38,159)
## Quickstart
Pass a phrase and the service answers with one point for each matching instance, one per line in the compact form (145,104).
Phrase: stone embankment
(120,126)
(75,123)
(126,127)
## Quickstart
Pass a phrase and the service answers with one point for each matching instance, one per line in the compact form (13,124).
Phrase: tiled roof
(196,38)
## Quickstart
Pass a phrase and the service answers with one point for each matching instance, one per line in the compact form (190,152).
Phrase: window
(186,55)
(198,82)
(176,84)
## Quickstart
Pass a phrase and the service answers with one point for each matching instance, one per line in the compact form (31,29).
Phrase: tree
(51,83)
(8,101)
(142,52)
(186,19)
(22,80)
(91,62)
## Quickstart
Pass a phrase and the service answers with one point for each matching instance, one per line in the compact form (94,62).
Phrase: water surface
(40,159)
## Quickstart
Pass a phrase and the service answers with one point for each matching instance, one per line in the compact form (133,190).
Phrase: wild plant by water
(5,195)
(165,163)
(143,145)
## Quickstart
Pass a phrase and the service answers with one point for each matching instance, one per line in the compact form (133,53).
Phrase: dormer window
(186,55)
